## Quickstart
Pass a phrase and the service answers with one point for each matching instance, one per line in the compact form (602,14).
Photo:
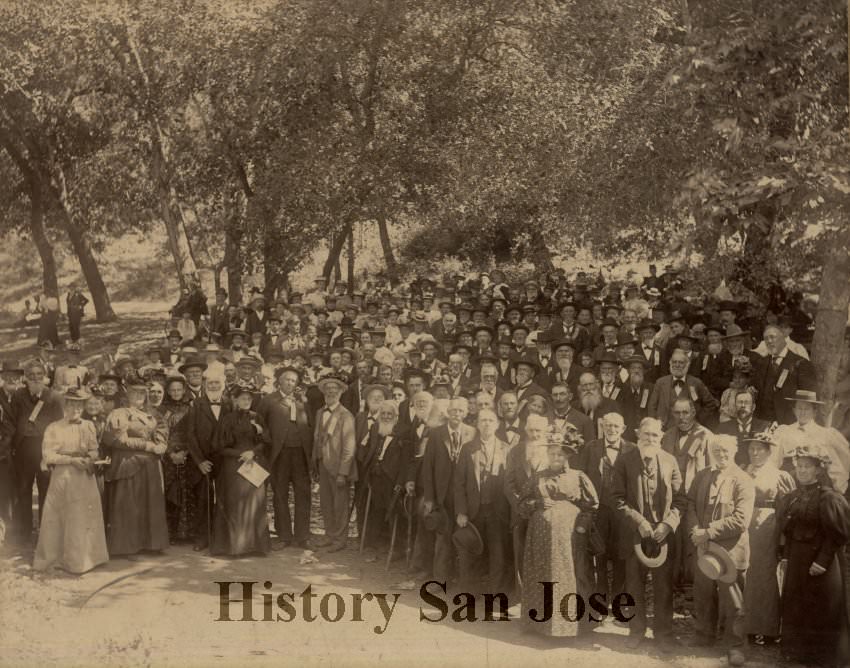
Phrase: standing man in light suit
(333,460)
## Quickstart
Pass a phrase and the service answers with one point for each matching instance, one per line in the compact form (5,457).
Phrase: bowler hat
(467,539)
(193,362)
(10,366)
(715,562)
(647,323)
(561,343)
(279,372)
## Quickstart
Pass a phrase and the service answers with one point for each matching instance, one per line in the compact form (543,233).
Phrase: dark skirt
(814,622)
(240,525)
(136,511)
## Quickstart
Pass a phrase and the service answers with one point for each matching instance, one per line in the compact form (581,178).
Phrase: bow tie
(513,429)
(615,447)
(215,403)
(678,382)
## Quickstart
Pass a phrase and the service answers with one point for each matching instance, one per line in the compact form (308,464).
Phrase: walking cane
(408,548)
(392,542)
(209,513)
(365,517)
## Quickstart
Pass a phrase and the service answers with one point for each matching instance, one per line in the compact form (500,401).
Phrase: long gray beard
(591,402)
(386,428)
(649,450)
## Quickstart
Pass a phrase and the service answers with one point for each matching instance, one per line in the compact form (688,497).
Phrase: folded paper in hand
(253,473)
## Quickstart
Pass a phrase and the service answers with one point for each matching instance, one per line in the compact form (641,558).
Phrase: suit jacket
(728,518)
(668,503)
(333,444)
(510,436)
(589,461)
(267,345)
(731,428)
(467,479)
(201,432)
(28,437)
(635,408)
(529,390)
(654,357)
(351,398)
(437,466)
(255,323)
(576,333)
(605,406)
(663,396)
(219,320)
(716,371)
(505,376)
(553,375)
(397,457)
(794,373)
(283,430)
(692,456)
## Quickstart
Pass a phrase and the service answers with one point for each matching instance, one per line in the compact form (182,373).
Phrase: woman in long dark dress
(180,502)
(240,525)
(813,526)
(553,502)
(135,440)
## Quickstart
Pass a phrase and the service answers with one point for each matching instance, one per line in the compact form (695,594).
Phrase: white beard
(649,450)
(590,402)
(386,428)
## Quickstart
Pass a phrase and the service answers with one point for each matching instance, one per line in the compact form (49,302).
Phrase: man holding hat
(33,407)
(648,493)
(334,450)
(284,413)
(720,507)
(482,508)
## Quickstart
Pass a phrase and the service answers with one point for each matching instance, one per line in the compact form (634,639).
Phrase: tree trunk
(94,280)
(336,242)
(351,260)
(42,243)
(389,257)
(276,277)
(831,319)
(541,253)
(233,264)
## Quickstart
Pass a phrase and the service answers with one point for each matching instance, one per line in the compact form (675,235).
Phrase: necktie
(648,467)
(455,445)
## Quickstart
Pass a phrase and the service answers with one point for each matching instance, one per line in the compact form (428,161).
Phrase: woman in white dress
(72,535)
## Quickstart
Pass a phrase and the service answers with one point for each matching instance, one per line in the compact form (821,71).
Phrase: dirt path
(164,610)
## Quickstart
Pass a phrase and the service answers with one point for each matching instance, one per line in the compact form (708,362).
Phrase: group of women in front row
(118,483)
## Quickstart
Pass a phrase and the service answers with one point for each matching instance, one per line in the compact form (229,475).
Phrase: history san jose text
(245,601)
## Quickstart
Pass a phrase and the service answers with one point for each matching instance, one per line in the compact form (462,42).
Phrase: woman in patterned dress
(180,502)
(71,535)
(761,596)
(553,501)
(135,440)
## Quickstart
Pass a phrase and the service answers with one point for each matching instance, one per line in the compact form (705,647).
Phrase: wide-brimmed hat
(10,366)
(468,539)
(813,451)
(715,562)
(111,375)
(608,358)
(249,360)
(626,339)
(733,331)
(333,378)
(237,332)
(192,362)
(649,552)
(636,359)
(425,341)
(76,394)
(768,437)
(809,396)
(279,372)
(527,360)
(436,520)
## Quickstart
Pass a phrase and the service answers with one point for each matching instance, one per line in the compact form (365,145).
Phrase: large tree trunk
(831,321)
(275,275)
(42,243)
(336,243)
(233,264)
(351,260)
(389,257)
(88,263)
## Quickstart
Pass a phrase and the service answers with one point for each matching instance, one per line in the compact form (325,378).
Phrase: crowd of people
(603,436)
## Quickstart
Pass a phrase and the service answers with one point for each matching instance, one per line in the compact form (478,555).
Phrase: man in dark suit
(273,340)
(567,328)
(634,397)
(778,376)
(720,506)
(743,426)
(678,384)
(202,424)
(385,464)
(597,459)
(437,473)
(647,491)
(648,349)
(526,370)
(257,317)
(365,423)
(562,368)
(716,364)
(286,416)
(480,499)
(510,423)
(33,407)
(504,363)
(220,315)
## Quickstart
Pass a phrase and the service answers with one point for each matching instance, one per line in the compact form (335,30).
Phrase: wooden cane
(209,514)
(392,542)
(365,517)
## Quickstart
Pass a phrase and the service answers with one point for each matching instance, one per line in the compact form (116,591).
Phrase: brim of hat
(806,401)
(721,553)
(650,562)
(336,381)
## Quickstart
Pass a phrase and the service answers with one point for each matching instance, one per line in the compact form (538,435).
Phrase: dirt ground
(161,610)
